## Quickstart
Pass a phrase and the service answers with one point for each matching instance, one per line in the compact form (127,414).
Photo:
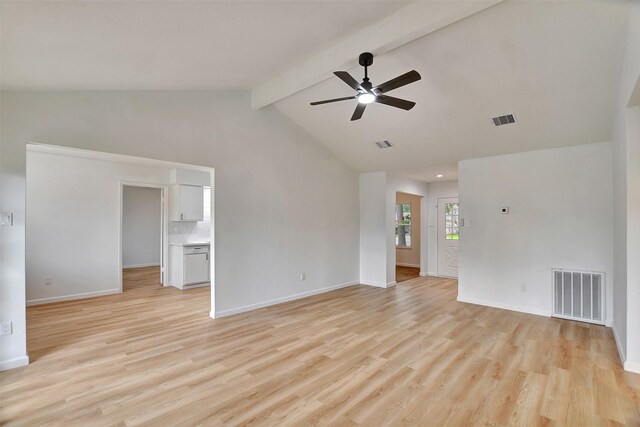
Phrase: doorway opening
(142,236)
(407,239)
(91,215)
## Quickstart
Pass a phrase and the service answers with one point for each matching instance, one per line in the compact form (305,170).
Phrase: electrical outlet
(48,280)
(6,328)
(302,276)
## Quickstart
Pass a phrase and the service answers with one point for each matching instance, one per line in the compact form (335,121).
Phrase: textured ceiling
(168,44)
(555,65)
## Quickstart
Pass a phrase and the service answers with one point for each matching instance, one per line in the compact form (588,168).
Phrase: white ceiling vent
(384,144)
(504,120)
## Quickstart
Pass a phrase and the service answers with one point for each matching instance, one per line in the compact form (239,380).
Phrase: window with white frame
(403,225)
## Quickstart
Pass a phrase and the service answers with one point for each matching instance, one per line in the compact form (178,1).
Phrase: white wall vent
(504,120)
(578,295)
(384,144)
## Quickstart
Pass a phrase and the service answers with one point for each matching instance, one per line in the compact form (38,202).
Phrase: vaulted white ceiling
(555,65)
(168,44)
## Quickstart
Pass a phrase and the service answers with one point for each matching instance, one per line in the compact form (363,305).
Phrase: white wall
(373,229)
(626,324)
(436,190)
(561,215)
(141,226)
(395,184)
(284,205)
(73,224)
(633,238)
(410,257)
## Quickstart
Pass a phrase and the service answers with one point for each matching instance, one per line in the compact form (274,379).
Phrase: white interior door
(448,236)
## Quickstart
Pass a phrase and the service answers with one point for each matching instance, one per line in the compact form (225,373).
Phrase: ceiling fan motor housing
(365,59)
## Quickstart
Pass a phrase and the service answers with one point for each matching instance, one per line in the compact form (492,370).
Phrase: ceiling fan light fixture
(366,93)
(366,98)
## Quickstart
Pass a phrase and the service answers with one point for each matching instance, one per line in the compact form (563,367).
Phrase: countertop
(189,243)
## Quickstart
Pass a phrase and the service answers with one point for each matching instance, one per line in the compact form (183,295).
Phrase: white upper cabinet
(187,202)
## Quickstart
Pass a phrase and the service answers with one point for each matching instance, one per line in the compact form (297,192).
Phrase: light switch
(7,218)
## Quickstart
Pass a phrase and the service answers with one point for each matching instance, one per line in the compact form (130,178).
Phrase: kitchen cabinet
(190,265)
(187,202)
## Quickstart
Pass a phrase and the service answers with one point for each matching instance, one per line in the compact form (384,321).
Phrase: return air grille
(384,144)
(578,295)
(504,120)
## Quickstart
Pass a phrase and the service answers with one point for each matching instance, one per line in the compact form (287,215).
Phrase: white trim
(423,274)
(14,362)
(493,304)
(374,283)
(431,273)
(275,301)
(151,264)
(404,264)
(73,297)
(621,352)
(632,366)
(391,284)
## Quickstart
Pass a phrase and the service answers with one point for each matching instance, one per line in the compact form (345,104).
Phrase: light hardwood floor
(406,273)
(409,355)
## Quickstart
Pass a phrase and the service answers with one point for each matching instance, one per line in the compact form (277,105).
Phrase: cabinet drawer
(190,250)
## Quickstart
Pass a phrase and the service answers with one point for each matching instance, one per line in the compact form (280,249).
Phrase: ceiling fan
(366,93)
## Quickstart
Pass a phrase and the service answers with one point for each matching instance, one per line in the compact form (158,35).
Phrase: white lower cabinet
(190,265)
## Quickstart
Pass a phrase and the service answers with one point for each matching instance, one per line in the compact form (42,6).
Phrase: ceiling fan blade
(395,102)
(333,100)
(405,79)
(348,79)
(358,112)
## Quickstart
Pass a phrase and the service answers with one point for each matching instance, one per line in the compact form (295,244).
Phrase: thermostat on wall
(504,210)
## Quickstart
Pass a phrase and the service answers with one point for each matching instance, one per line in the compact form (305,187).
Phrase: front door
(448,236)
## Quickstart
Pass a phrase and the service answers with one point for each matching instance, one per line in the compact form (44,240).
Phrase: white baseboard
(391,284)
(153,264)
(423,274)
(263,304)
(402,264)
(621,352)
(494,304)
(73,297)
(632,366)
(14,362)
(431,273)
(373,283)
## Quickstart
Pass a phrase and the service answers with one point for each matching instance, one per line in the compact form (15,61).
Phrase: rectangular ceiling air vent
(504,120)
(383,144)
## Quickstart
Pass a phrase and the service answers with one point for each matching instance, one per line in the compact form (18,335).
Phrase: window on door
(451,217)
(403,225)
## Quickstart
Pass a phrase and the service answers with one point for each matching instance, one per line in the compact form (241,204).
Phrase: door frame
(438,234)
(164,225)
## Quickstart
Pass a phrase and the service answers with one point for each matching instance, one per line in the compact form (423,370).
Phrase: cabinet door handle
(207,259)
(181,216)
